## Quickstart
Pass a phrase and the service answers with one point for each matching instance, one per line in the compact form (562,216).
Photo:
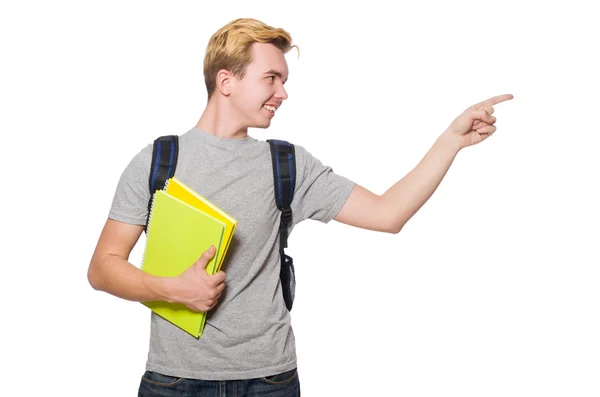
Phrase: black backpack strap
(284,179)
(164,162)
(283,157)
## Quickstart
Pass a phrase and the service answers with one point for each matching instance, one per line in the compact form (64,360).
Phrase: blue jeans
(285,384)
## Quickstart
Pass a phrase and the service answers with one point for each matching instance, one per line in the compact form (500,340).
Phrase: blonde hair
(230,47)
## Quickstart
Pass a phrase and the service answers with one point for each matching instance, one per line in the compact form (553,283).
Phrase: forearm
(118,277)
(410,193)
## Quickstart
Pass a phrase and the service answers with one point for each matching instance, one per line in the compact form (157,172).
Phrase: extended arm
(390,211)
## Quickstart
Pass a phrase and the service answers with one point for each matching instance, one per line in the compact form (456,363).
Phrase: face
(259,94)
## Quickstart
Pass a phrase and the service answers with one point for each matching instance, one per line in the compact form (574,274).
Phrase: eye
(272,78)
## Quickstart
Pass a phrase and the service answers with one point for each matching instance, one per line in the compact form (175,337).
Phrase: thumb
(205,257)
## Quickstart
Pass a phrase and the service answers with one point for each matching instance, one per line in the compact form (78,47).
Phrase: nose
(281,93)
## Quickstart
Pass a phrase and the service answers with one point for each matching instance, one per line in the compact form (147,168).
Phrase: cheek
(251,97)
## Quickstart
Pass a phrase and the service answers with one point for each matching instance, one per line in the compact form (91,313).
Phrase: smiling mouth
(270,108)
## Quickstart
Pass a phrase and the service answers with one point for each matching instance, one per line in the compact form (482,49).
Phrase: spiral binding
(150,219)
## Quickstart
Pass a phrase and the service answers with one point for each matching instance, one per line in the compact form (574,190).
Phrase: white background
(492,289)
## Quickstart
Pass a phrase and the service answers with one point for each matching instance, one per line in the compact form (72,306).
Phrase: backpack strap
(164,162)
(284,180)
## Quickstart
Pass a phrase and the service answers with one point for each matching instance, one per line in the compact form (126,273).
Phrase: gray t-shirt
(248,334)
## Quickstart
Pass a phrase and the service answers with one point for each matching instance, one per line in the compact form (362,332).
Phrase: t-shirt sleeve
(320,193)
(130,201)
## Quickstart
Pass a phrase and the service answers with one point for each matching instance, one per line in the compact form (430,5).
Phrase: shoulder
(143,157)
(139,164)
(305,159)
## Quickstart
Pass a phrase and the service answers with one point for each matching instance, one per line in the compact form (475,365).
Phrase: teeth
(270,108)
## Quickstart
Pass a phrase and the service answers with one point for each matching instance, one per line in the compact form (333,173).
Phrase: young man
(248,346)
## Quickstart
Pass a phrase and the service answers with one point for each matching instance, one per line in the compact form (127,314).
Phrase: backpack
(164,162)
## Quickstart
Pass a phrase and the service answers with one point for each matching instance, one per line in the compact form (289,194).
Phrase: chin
(262,124)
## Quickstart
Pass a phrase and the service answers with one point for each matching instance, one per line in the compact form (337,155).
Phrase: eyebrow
(276,73)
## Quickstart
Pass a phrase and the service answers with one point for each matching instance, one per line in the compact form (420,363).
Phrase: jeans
(285,384)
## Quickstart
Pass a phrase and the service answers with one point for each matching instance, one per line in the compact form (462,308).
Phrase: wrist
(450,142)
(161,288)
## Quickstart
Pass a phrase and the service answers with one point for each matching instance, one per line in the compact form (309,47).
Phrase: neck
(219,119)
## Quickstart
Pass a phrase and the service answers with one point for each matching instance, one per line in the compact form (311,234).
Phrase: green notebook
(177,235)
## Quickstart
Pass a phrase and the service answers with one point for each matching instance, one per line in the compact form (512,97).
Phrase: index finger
(494,101)
(218,277)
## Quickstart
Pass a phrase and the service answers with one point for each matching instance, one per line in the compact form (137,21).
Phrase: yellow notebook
(177,188)
(177,236)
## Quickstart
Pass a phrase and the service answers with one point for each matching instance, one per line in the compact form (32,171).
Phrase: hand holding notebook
(182,226)
(196,289)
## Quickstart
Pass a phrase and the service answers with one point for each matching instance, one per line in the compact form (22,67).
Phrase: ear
(225,82)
